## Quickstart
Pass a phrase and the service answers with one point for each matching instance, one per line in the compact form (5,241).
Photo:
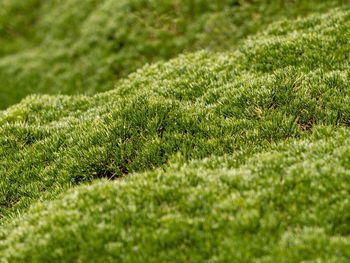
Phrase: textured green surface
(273,88)
(237,156)
(83,47)
(290,204)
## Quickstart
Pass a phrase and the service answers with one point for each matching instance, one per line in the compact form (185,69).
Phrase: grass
(236,156)
(70,47)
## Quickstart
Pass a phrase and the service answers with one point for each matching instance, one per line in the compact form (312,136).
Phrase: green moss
(237,156)
(75,47)
(197,105)
(289,204)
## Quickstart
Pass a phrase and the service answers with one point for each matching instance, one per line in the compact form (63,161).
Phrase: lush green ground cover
(82,47)
(239,156)
(290,204)
(276,86)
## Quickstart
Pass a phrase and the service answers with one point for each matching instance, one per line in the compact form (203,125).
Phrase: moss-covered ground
(240,155)
(84,47)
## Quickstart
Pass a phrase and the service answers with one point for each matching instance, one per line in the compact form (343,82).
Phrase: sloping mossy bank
(278,85)
(83,47)
(289,204)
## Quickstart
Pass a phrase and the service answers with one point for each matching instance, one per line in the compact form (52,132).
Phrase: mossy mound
(233,156)
(83,47)
(290,204)
(197,105)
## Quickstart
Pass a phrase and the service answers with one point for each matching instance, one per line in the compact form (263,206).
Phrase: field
(174,131)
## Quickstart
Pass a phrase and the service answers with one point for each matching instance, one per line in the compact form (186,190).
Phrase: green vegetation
(236,156)
(290,204)
(198,105)
(83,47)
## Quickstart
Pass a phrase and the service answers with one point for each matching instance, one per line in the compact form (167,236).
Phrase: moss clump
(288,204)
(75,47)
(197,105)
(234,156)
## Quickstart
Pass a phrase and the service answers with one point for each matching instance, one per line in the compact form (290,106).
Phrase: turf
(75,47)
(237,156)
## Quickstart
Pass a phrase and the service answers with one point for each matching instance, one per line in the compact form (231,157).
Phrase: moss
(197,105)
(287,204)
(70,47)
(236,156)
